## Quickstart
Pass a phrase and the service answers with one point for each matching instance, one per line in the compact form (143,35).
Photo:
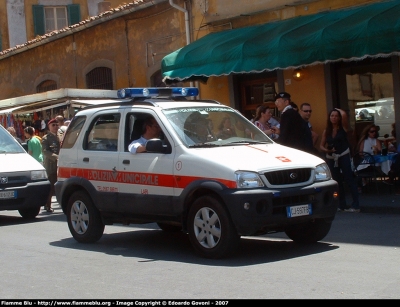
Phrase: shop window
(99,78)
(47,85)
(49,18)
(366,85)
(255,93)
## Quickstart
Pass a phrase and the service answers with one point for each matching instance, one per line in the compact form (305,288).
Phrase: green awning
(367,31)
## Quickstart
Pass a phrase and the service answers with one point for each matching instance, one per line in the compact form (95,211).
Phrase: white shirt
(136,143)
(368,143)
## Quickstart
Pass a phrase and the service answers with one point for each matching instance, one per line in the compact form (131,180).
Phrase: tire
(169,227)
(29,213)
(211,231)
(311,232)
(84,220)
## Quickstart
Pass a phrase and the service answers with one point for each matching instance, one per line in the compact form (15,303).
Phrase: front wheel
(310,232)
(210,229)
(84,220)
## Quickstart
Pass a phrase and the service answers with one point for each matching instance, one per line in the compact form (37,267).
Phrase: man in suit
(293,130)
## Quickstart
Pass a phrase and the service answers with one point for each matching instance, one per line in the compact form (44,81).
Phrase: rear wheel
(211,230)
(84,220)
(29,213)
(310,232)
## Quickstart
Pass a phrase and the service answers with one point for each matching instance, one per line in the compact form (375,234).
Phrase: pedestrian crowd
(45,149)
(294,129)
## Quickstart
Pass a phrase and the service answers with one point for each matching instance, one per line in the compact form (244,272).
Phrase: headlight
(248,180)
(38,175)
(322,172)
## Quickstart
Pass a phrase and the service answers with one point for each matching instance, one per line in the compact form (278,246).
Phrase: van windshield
(218,126)
(8,144)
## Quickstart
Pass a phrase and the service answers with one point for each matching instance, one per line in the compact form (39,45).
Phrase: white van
(214,186)
(23,180)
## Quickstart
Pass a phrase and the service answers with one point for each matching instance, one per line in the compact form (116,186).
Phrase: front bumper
(264,210)
(31,195)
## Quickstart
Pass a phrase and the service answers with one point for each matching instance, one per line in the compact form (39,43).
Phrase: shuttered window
(50,18)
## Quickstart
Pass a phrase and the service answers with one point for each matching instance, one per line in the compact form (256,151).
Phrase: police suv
(197,178)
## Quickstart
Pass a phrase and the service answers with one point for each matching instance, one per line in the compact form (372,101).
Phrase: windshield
(8,144)
(213,126)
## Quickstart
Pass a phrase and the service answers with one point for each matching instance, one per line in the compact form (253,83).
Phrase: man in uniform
(51,149)
(293,130)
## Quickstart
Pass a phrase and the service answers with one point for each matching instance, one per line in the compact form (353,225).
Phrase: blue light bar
(158,91)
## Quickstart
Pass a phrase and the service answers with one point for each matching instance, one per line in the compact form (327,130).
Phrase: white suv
(214,186)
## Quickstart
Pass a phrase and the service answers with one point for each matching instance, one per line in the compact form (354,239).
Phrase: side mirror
(157,146)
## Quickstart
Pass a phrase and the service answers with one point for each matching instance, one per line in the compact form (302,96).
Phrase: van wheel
(210,229)
(169,227)
(310,232)
(84,220)
(29,213)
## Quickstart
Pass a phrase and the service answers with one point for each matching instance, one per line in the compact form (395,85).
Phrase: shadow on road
(155,244)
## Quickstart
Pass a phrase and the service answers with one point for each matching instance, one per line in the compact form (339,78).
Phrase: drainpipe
(187,25)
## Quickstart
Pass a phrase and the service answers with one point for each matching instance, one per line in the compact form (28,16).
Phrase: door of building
(367,95)
(257,92)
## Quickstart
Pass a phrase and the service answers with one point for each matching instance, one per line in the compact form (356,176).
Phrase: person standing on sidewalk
(51,149)
(305,112)
(34,144)
(335,144)
(293,130)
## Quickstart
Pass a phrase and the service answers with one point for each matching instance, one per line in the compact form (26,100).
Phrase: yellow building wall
(217,88)
(129,46)
(136,44)
(310,89)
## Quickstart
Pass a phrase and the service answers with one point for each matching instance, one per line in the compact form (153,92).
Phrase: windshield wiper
(245,142)
(203,145)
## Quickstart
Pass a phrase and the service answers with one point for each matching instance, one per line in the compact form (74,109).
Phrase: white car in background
(23,180)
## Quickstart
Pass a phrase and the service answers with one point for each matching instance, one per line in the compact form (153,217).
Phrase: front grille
(292,176)
(14,180)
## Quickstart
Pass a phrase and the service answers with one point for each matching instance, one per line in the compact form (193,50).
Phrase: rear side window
(73,131)
(103,133)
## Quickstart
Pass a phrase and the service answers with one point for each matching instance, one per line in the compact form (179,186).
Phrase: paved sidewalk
(387,201)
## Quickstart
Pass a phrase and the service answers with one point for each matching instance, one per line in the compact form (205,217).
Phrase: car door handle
(86,159)
(126,162)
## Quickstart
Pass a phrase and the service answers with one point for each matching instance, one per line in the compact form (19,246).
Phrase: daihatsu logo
(293,176)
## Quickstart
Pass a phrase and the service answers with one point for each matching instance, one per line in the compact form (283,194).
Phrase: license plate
(299,210)
(8,194)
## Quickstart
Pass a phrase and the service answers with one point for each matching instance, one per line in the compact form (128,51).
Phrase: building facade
(113,44)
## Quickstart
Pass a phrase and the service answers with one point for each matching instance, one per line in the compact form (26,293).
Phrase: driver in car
(196,128)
